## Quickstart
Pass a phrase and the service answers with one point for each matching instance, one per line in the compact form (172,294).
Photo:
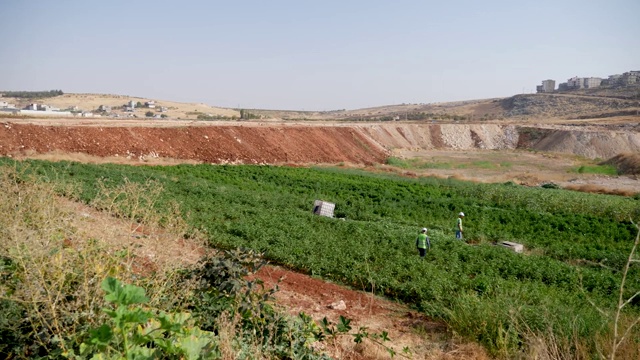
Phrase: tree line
(32,94)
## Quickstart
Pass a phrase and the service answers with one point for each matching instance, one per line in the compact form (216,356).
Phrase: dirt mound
(628,164)
(587,143)
(210,144)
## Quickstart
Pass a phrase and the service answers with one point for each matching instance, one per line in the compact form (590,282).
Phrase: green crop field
(566,284)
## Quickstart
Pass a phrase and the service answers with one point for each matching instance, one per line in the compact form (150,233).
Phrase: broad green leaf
(100,336)
(123,295)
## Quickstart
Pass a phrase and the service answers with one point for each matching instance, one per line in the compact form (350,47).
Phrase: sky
(312,55)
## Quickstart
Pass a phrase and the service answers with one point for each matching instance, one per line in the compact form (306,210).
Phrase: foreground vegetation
(564,293)
(73,291)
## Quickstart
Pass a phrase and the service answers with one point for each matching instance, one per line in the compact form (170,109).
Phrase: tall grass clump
(53,260)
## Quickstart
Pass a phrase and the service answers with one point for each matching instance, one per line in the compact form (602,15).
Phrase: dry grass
(61,255)
(55,156)
(595,189)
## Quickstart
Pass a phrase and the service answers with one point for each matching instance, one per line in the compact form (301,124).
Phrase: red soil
(209,144)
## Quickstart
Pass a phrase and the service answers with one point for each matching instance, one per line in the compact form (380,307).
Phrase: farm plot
(561,291)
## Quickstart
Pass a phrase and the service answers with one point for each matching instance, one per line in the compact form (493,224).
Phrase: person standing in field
(423,243)
(459,226)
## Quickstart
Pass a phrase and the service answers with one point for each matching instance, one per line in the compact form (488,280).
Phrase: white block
(513,246)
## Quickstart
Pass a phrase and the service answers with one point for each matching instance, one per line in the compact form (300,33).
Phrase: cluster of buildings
(628,78)
(33,109)
(131,105)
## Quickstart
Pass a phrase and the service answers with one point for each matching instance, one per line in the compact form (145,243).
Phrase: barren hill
(588,103)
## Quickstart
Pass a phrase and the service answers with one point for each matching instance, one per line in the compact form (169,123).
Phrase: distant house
(104,108)
(150,104)
(48,108)
(631,77)
(546,87)
(132,104)
(163,109)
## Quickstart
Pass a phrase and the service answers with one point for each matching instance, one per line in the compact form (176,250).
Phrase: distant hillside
(567,106)
(579,104)
(582,104)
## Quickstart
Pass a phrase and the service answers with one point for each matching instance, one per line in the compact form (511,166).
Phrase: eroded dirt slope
(210,144)
(303,143)
(587,141)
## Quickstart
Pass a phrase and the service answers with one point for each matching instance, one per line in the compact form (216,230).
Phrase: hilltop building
(546,87)
(629,78)
(575,83)
(612,80)
(625,79)
(592,82)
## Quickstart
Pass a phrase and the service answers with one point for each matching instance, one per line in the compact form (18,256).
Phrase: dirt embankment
(590,142)
(210,144)
(303,143)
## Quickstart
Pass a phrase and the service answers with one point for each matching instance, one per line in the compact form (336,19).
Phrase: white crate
(513,246)
(323,208)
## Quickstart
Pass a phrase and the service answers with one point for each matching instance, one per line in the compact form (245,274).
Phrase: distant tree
(149,114)
(164,116)
(139,104)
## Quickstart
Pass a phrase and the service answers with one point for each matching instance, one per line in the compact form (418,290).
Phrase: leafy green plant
(133,332)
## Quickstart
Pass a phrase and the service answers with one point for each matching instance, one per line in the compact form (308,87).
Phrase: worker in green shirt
(423,243)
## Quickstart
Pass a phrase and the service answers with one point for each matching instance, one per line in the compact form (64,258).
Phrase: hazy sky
(312,55)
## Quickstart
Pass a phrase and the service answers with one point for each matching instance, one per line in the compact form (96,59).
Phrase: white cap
(424,229)
(461,214)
